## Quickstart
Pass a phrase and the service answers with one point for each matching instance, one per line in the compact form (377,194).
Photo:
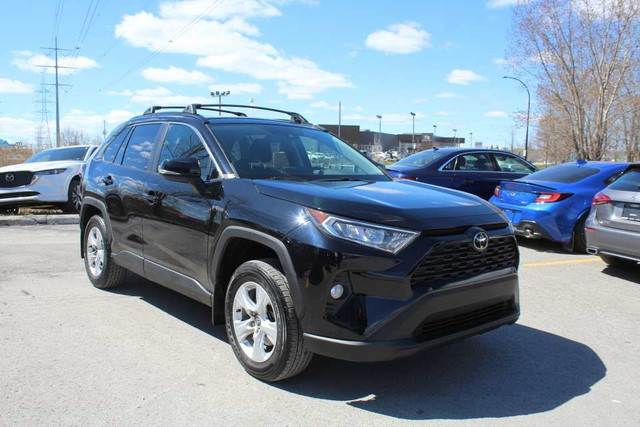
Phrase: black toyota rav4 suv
(298,242)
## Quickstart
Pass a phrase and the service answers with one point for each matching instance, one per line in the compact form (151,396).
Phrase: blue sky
(439,59)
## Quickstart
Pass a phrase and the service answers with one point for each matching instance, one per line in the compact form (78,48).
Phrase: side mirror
(180,170)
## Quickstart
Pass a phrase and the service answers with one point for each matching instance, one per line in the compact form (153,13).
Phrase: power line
(116,41)
(177,35)
(57,17)
(84,31)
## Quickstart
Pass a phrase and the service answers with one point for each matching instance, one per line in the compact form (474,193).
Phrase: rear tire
(580,237)
(102,271)
(261,323)
(8,210)
(614,261)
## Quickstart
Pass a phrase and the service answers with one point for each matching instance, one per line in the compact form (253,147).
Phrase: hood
(404,204)
(40,166)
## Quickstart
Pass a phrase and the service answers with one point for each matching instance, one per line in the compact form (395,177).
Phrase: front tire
(261,323)
(614,261)
(580,237)
(74,197)
(102,271)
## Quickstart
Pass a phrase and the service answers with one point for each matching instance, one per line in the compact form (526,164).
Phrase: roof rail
(155,108)
(295,117)
(235,113)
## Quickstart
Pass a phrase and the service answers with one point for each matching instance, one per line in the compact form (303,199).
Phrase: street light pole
(526,137)
(220,94)
(413,131)
(455,131)
(471,139)
(433,143)
(379,130)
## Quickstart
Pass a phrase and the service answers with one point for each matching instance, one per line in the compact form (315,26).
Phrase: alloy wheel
(254,322)
(95,251)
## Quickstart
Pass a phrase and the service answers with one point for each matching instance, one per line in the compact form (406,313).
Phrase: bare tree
(584,56)
(70,136)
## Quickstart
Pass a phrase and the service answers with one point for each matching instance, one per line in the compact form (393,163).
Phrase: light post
(413,131)
(455,131)
(471,139)
(220,94)
(526,136)
(379,130)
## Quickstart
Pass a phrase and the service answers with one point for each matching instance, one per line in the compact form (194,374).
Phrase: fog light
(337,291)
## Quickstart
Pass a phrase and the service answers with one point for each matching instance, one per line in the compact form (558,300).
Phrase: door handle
(108,180)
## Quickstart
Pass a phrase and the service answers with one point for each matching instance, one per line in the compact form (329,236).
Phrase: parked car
(475,171)
(613,227)
(50,177)
(554,203)
(335,259)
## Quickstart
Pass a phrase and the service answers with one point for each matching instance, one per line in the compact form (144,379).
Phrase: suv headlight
(50,172)
(388,239)
(38,174)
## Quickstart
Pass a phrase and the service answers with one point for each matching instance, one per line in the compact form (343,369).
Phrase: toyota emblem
(9,177)
(480,241)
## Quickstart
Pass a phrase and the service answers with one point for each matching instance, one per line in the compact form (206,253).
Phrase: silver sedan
(613,226)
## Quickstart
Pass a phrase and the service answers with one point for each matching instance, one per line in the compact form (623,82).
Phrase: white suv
(49,177)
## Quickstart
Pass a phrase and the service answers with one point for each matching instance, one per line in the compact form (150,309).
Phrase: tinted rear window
(566,173)
(57,154)
(630,181)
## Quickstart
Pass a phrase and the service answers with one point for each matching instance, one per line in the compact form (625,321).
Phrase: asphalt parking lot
(72,354)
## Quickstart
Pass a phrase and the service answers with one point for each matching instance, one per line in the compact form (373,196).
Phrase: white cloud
(125,92)
(447,95)
(446,113)
(420,101)
(399,38)
(163,96)
(14,86)
(238,88)
(176,75)
(495,114)
(17,129)
(358,108)
(92,122)
(29,61)
(496,4)
(225,41)
(463,77)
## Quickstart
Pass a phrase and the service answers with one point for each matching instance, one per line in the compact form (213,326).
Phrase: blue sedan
(554,203)
(475,171)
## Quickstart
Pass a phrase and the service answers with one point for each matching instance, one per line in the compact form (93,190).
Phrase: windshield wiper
(284,178)
(344,178)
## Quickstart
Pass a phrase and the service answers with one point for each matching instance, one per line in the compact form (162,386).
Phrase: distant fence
(12,156)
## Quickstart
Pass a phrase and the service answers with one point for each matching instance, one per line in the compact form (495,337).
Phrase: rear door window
(566,173)
(630,181)
(140,147)
(508,163)
(112,149)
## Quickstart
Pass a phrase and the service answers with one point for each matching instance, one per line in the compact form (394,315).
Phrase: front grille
(15,179)
(450,324)
(452,261)
(18,194)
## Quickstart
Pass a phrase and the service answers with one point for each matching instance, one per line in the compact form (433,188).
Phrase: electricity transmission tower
(57,84)
(43,132)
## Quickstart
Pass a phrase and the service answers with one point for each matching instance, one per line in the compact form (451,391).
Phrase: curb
(7,221)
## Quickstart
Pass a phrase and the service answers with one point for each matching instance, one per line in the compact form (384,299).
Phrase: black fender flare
(267,240)
(92,201)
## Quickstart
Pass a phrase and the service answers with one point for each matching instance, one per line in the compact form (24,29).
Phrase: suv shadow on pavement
(516,371)
(631,274)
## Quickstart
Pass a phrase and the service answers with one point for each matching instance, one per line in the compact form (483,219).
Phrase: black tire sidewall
(251,272)
(70,207)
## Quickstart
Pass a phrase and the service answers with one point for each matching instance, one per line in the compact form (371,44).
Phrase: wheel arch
(90,207)
(255,245)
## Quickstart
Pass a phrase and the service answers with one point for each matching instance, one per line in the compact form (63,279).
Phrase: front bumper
(436,318)
(46,189)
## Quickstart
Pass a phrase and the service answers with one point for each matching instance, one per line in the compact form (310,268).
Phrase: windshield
(566,173)
(421,159)
(57,154)
(271,151)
